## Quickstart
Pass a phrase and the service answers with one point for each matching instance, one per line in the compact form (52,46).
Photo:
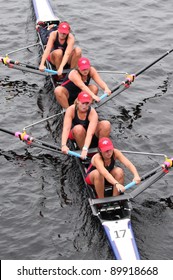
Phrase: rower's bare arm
(47,51)
(98,80)
(76,79)
(68,51)
(129,165)
(98,163)
(66,126)
(93,122)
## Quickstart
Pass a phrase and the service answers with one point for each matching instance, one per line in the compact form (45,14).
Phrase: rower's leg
(76,54)
(56,57)
(118,174)
(103,129)
(79,134)
(98,181)
(61,95)
(94,89)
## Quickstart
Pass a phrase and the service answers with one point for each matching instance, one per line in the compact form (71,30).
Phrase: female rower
(60,49)
(78,80)
(102,169)
(81,124)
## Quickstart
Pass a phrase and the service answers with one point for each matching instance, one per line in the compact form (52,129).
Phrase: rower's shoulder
(116,151)
(74,73)
(71,36)
(93,111)
(70,39)
(118,154)
(53,34)
(96,157)
(70,109)
(93,71)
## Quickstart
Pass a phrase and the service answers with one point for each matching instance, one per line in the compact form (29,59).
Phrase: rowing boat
(113,216)
(114,213)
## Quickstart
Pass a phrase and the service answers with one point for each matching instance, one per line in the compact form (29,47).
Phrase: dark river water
(44,213)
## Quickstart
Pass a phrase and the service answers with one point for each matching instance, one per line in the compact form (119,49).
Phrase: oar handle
(71,153)
(50,71)
(133,183)
(53,72)
(103,95)
(128,186)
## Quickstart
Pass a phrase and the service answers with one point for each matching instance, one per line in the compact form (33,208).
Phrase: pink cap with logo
(84,63)
(84,97)
(105,144)
(64,27)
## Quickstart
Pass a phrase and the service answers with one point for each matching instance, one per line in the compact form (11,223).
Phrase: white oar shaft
(112,72)
(95,150)
(70,153)
(27,47)
(48,118)
(143,153)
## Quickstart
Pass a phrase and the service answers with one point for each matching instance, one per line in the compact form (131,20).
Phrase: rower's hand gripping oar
(165,166)
(6,60)
(31,141)
(125,84)
(151,177)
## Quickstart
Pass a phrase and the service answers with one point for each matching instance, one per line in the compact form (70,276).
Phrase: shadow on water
(150,216)
(167,201)
(127,117)
(90,241)
(17,88)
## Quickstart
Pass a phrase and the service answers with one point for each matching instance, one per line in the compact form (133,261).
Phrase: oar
(144,177)
(24,48)
(144,153)
(152,176)
(163,168)
(54,147)
(21,67)
(112,72)
(6,60)
(95,150)
(42,146)
(125,84)
(30,140)
(24,67)
(44,120)
(24,137)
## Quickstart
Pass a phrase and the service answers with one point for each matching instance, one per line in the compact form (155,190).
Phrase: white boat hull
(43,11)
(121,239)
